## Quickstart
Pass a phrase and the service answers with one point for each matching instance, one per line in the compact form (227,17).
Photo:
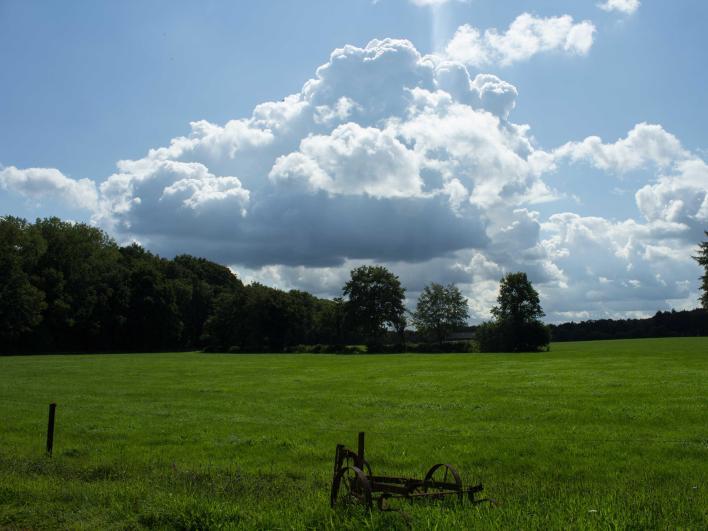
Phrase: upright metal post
(360,451)
(50,428)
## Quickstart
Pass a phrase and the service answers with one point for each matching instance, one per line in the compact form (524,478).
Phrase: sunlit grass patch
(589,435)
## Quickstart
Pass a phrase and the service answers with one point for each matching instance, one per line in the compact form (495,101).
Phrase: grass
(590,435)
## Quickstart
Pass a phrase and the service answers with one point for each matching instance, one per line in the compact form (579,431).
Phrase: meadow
(595,435)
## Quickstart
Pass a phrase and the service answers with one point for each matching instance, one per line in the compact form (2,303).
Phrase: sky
(452,141)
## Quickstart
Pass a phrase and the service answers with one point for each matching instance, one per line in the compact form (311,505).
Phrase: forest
(69,287)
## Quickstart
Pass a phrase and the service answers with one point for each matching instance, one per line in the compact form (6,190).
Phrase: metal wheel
(350,486)
(351,461)
(443,478)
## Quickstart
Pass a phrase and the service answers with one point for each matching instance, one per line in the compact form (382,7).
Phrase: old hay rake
(354,483)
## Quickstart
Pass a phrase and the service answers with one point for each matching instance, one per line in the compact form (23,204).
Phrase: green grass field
(590,435)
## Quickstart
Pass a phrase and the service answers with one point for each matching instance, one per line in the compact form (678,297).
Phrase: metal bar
(431,494)
(399,492)
(440,484)
(405,495)
(390,479)
(360,450)
(388,488)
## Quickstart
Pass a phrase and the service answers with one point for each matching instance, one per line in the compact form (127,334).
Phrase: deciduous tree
(374,301)
(702,260)
(518,301)
(440,310)
(517,325)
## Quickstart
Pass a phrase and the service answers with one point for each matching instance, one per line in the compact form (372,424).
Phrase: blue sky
(603,225)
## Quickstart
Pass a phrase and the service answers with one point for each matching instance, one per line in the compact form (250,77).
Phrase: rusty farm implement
(354,483)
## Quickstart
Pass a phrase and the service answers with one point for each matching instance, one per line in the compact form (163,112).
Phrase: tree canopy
(517,301)
(21,302)
(440,310)
(69,287)
(516,326)
(374,301)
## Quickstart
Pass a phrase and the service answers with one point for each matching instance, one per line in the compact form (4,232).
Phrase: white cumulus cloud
(644,144)
(525,37)
(353,160)
(678,196)
(50,183)
(678,193)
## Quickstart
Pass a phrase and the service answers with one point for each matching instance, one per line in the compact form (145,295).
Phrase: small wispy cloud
(433,3)
(623,6)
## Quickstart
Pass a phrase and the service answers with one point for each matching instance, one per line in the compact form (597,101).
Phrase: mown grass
(590,435)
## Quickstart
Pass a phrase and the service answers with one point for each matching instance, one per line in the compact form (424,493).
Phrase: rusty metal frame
(353,482)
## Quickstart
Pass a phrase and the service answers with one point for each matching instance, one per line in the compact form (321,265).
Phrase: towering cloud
(388,155)
(384,155)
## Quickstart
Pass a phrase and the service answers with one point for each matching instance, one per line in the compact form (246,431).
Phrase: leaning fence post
(50,428)
(360,451)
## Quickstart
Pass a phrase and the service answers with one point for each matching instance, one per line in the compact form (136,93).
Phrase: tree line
(68,287)
(662,324)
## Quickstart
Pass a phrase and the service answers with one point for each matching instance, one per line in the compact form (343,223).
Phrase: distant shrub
(210,349)
(448,346)
(394,348)
(490,337)
(327,349)
(509,336)
(380,348)
(353,349)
